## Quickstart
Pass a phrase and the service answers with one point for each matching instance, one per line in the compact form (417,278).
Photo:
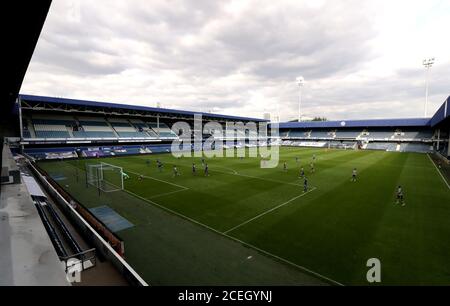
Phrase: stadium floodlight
(300,82)
(427,63)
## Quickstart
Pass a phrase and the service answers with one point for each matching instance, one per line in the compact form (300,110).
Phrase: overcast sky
(360,59)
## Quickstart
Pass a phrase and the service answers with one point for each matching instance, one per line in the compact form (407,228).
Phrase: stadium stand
(118,123)
(130,124)
(412,135)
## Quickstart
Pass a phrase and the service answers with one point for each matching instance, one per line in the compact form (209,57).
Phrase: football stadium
(106,193)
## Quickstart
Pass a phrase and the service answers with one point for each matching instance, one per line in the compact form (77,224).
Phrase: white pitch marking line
(268,180)
(234,171)
(437,169)
(256,177)
(152,178)
(318,275)
(167,193)
(268,211)
(149,177)
(213,169)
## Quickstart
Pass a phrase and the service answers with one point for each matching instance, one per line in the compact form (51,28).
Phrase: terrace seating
(321,134)
(416,147)
(143,129)
(122,126)
(379,134)
(25,131)
(413,134)
(94,128)
(386,146)
(284,133)
(167,134)
(52,134)
(133,134)
(164,130)
(94,134)
(50,128)
(425,135)
(152,133)
(347,133)
(299,133)
(341,145)
(140,125)
(126,130)
(93,123)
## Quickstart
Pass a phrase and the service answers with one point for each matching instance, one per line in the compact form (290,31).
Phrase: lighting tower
(427,63)
(300,82)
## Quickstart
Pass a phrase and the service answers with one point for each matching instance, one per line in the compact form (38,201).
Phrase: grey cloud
(91,62)
(377,98)
(261,43)
(139,52)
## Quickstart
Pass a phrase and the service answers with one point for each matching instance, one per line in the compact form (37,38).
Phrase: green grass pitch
(244,225)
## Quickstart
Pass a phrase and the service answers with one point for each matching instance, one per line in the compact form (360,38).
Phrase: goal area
(105,177)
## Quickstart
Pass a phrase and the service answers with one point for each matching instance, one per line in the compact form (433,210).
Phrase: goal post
(105,177)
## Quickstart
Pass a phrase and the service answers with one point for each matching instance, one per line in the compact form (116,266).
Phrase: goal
(104,176)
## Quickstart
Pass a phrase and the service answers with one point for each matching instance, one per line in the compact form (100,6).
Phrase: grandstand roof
(54,100)
(358,123)
(19,42)
(442,114)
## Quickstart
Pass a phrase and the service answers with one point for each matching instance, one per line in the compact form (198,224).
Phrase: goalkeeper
(125,176)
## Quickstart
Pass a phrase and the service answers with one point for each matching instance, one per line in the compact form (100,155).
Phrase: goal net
(105,177)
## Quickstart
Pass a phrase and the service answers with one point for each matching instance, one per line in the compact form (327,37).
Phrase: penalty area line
(268,211)
(152,178)
(167,193)
(301,268)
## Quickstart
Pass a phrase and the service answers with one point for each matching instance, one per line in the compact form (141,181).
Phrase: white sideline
(437,169)
(268,211)
(318,275)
